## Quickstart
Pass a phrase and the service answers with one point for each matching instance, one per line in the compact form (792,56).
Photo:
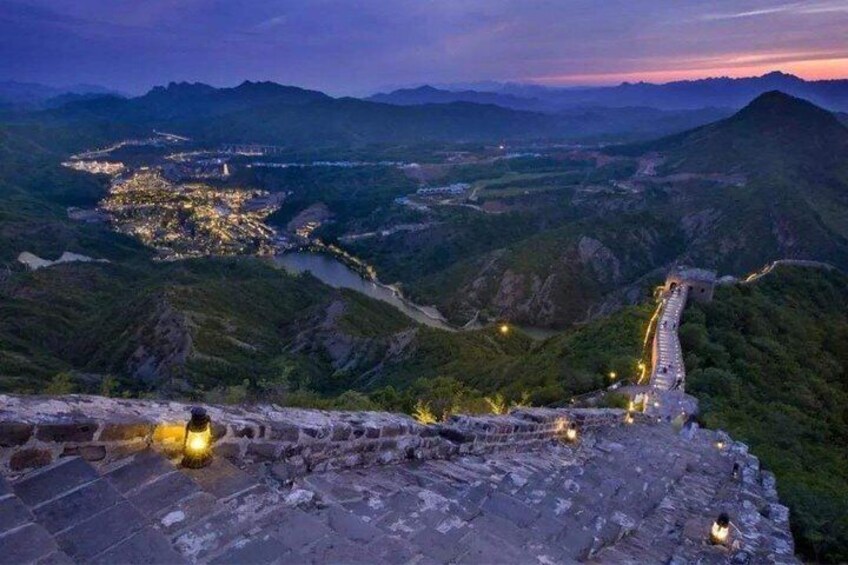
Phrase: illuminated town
(193,219)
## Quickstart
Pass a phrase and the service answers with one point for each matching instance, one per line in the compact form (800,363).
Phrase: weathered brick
(29,459)
(285,432)
(12,434)
(341,433)
(87,452)
(12,514)
(264,450)
(101,531)
(63,477)
(227,450)
(71,431)
(26,545)
(125,432)
(76,506)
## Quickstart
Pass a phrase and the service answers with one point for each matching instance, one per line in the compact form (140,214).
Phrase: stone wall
(36,430)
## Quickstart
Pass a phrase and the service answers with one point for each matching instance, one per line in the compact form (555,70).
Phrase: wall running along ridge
(37,430)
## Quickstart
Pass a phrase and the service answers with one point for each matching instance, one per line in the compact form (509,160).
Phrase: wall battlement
(37,430)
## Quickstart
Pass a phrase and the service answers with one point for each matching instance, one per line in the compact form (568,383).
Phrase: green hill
(769,363)
(776,134)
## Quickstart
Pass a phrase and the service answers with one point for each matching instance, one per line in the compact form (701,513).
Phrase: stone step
(78,515)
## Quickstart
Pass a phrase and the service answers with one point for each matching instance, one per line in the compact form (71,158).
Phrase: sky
(357,47)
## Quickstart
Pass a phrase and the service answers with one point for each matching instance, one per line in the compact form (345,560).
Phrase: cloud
(798,8)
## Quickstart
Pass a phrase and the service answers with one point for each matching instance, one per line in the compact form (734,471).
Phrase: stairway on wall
(628,493)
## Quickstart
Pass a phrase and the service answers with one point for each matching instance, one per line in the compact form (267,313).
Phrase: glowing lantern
(504,329)
(628,419)
(197,451)
(719,444)
(571,432)
(720,529)
(612,375)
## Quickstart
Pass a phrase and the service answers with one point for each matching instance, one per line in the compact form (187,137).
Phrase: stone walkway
(632,494)
(669,369)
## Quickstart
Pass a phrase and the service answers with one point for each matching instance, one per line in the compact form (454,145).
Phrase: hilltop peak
(774,134)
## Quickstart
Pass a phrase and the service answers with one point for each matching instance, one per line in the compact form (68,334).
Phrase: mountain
(679,95)
(429,95)
(33,95)
(284,115)
(776,133)
(791,198)
(568,241)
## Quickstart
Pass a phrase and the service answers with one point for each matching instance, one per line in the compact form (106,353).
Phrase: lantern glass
(720,530)
(197,450)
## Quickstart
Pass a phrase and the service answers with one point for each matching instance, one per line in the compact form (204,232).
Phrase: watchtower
(699,282)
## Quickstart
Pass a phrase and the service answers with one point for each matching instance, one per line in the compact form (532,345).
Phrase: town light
(504,329)
(720,529)
(612,375)
(719,444)
(571,432)
(197,451)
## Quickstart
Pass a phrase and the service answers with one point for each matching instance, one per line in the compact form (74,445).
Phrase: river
(334,273)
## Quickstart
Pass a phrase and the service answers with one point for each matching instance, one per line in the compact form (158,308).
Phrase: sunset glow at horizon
(357,48)
(825,69)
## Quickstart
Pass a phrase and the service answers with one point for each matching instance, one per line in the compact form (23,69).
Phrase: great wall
(92,479)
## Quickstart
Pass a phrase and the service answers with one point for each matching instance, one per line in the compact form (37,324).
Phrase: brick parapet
(36,430)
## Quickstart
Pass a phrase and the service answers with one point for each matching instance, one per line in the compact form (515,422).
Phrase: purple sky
(357,47)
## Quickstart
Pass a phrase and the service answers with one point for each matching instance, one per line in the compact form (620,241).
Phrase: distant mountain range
(33,95)
(267,112)
(680,95)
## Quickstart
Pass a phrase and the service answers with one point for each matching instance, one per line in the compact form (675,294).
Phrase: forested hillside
(769,364)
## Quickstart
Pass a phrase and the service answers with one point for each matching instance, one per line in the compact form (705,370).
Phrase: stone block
(26,545)
(254,549)
(284,432)
(143,468)
(126,432)
(165,493)
(221,478)
(145,546)
(100,532)
(76,506)
(264,450)
(12,514)
(12,434)
(67,475)
(341,433)
(66,432)
(31,458)
(456,435)
(187,513)
(87,452)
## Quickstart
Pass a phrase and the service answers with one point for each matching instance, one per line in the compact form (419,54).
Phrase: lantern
(504,329)
(197,451)
(612,375)
(628,419)
(719,444)
(571,432)
(720,529)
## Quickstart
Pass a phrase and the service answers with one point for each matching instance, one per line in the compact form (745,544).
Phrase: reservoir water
(334,273)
